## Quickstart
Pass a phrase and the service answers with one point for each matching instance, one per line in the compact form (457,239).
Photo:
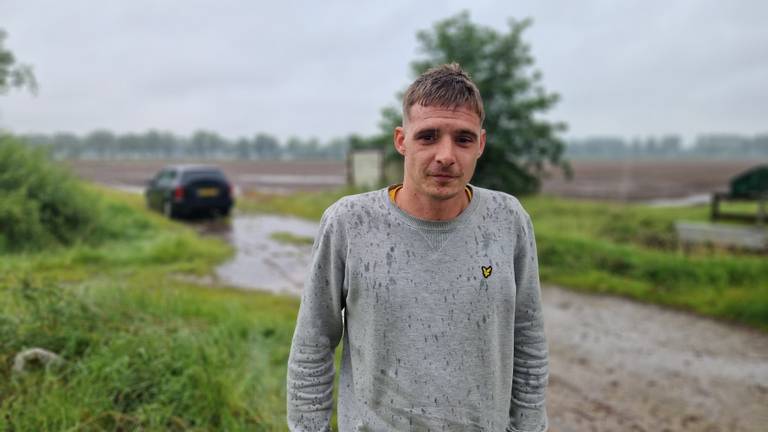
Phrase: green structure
(751,185)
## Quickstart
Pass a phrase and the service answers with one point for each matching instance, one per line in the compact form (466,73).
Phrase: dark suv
(185,190)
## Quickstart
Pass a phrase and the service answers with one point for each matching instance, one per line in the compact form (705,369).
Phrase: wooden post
(715,207)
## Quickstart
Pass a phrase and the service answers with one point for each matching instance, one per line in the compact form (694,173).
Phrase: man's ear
(482,143)
(399,140)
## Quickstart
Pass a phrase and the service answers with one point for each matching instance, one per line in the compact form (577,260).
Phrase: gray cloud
(326,69)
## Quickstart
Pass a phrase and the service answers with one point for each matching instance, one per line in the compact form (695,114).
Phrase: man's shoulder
(498,200)
(356,204)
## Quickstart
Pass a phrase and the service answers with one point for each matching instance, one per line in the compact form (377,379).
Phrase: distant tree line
(730,146)
(104,144)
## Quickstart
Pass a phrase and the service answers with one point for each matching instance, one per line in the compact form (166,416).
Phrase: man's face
(441,147)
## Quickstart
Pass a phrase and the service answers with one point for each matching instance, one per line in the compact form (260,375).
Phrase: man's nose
(445,152)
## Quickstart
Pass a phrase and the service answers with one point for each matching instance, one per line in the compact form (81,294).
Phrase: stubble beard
(439,191)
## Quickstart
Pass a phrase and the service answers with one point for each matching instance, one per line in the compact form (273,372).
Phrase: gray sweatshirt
(441,320)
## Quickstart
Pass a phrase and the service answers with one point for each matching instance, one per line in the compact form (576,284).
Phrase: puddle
(261,262)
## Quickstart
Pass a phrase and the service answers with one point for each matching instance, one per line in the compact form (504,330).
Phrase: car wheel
(168,210)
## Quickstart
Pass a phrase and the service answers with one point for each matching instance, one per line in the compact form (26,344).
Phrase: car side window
(166,178)
(157,178)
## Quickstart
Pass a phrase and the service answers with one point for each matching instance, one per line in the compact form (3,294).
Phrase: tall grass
(42,205)
(165,356)
(143,348)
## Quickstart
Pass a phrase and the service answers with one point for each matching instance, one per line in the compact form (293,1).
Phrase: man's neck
(424,207)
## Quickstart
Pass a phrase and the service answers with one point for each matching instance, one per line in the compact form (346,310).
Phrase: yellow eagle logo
(486,271)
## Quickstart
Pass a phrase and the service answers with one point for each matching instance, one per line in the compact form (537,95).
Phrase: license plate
(207,192)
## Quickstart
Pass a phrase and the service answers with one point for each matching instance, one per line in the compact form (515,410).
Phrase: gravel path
(617,365)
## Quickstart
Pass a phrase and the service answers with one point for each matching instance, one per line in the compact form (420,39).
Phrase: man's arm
(318,332)
(529,381)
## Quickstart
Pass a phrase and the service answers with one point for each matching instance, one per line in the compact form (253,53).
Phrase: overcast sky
(325,69)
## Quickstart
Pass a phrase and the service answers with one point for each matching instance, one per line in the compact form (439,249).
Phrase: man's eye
(427,137)
(465,140)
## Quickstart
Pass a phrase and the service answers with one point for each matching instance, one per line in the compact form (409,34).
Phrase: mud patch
(261,261)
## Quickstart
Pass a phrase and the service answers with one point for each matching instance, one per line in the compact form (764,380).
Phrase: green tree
(521,145)
(13,74)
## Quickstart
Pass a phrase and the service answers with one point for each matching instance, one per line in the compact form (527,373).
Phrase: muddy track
(617,365)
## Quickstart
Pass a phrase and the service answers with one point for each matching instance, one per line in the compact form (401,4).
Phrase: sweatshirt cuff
(528,420)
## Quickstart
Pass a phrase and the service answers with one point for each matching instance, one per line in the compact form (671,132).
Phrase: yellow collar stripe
(393,190)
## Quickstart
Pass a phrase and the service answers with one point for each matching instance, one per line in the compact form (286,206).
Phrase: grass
(290,238)
(624,249)
(42,205)
(143,348)
(307,205)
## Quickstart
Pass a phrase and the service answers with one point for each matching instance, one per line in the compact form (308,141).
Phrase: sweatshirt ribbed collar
(432,225)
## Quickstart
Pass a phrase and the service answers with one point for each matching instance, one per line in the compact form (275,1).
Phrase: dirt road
(618,365)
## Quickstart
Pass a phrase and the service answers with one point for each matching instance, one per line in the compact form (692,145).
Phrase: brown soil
(645,179)
(613,180)
(270,176)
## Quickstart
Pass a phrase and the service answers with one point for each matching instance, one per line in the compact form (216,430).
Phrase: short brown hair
(445,86)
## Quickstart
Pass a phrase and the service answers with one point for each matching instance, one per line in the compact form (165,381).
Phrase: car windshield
(202,174)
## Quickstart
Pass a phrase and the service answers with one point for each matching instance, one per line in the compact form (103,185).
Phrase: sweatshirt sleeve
(530,375)
(318,332)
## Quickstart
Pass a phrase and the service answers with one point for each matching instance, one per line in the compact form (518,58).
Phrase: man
(437,283)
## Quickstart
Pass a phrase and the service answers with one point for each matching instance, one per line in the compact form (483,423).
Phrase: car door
(165,186)
(152,193)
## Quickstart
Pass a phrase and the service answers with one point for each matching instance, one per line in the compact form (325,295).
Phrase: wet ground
(261,262)
(616,365)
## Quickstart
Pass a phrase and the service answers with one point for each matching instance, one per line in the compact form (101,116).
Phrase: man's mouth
(443,176)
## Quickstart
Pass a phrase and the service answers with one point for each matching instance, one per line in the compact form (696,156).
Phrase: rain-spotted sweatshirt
(441,320)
